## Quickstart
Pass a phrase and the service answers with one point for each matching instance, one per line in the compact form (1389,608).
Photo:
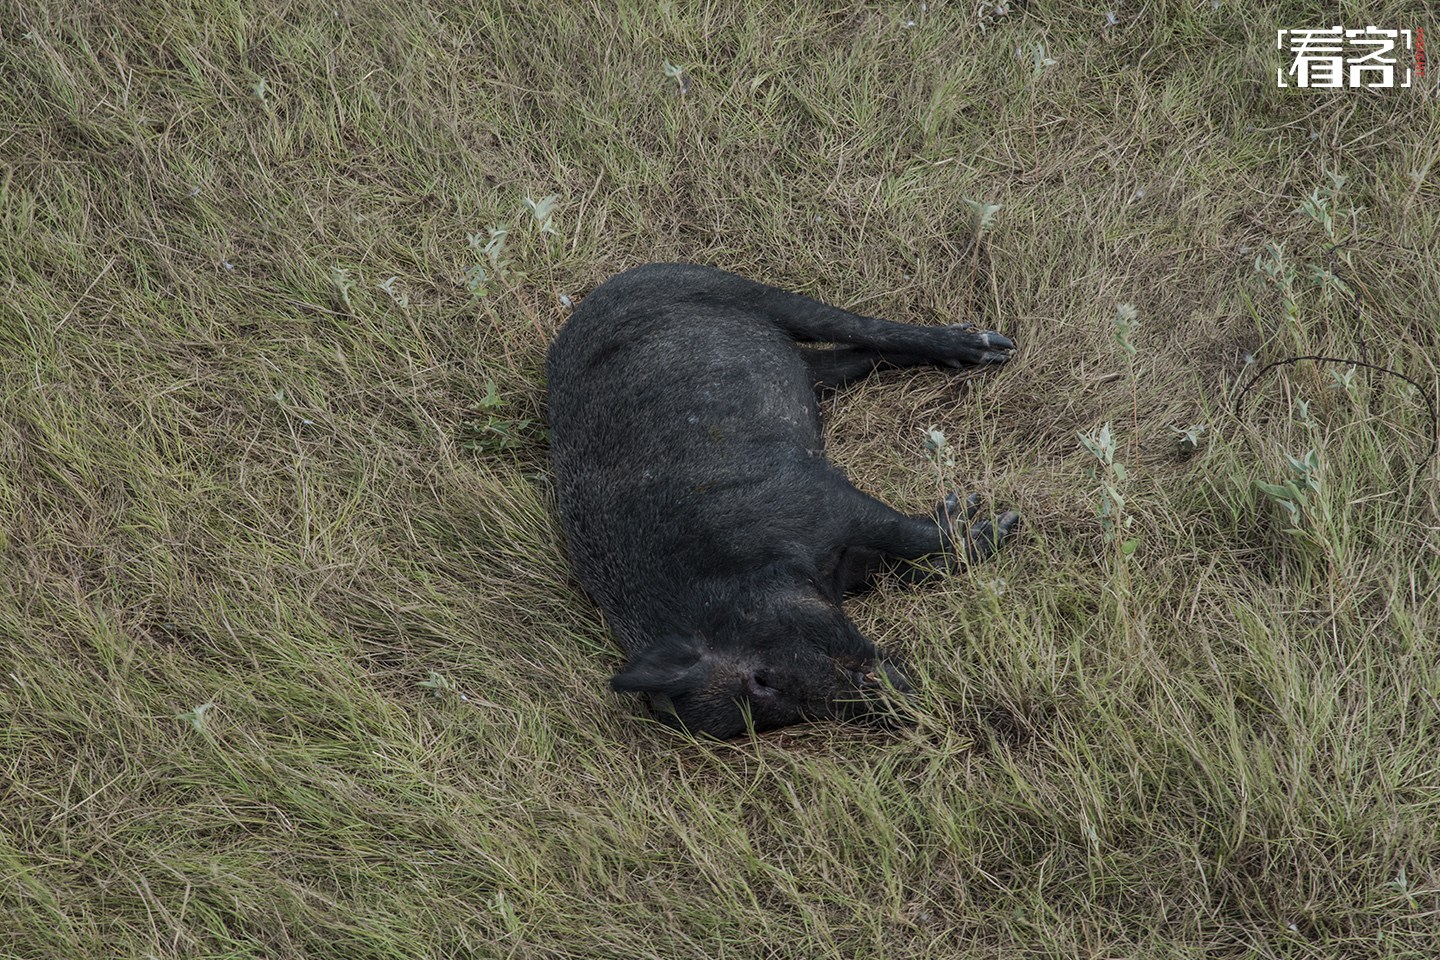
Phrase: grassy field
(291,664)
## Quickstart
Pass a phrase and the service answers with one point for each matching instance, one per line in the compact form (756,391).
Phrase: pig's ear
(671,667)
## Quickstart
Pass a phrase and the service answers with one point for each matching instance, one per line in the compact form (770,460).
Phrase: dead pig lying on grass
(700,511)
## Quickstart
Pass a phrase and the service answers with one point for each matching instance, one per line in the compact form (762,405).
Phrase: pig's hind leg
(879,342)
(832,367)
(808,320)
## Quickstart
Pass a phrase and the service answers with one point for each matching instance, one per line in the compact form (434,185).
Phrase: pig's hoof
(980,539)
(952,512)
(985,537)
(971,347)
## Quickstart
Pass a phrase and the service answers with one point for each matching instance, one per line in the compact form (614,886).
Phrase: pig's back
(681,428)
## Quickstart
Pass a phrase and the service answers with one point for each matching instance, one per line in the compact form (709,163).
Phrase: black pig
(700,511)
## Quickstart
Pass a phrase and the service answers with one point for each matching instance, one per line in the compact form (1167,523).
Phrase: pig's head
(802,662)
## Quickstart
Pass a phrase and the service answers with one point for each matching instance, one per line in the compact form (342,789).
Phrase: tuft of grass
(290,661)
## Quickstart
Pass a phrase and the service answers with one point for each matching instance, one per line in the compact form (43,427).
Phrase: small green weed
(492,432)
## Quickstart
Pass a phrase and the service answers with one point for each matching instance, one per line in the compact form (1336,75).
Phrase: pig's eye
(758,685)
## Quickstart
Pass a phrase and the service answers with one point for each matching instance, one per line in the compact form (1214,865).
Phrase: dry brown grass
(229,477)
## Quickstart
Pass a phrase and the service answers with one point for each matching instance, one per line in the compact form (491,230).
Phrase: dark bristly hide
(700,511)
